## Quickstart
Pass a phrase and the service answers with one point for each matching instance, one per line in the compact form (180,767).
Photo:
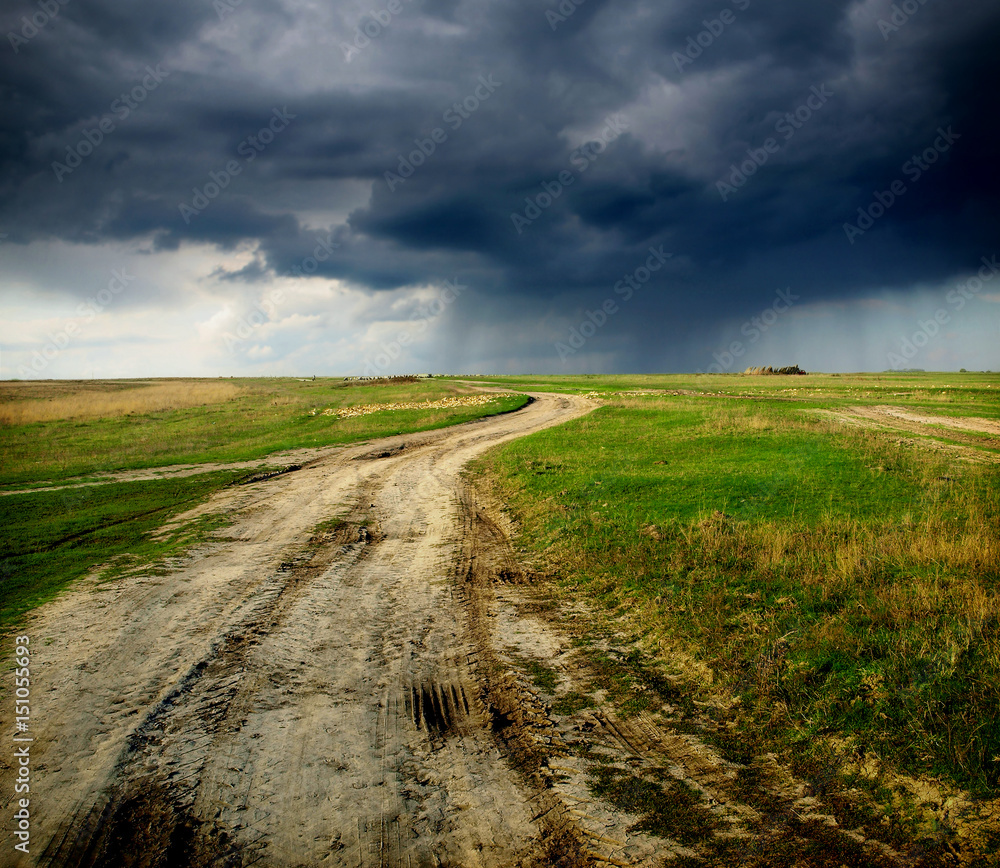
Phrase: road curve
(282,697)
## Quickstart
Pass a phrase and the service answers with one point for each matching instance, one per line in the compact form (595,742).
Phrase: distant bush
(755,371)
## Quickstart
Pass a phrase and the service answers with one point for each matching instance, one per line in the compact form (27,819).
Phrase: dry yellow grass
(109,400)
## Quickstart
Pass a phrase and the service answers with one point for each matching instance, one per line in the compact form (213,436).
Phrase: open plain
(371,656)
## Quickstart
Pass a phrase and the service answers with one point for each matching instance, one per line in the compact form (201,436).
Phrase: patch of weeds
(541,676)
(617,679)
(155,560)
(572,702)
(633,685)
(685,727)
(793,843)
(342,530)
(586,750)
(751,787)
(785,838)
(665,807)
(330,525)
(652,679)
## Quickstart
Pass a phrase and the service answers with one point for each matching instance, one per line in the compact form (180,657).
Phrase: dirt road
(282,697)
(360,695)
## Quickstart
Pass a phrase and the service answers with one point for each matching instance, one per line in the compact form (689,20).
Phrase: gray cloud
(655,183)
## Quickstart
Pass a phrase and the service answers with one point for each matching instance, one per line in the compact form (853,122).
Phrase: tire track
(157,776)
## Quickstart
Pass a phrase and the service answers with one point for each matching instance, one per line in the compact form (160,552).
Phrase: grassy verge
(52,538)
(839,590)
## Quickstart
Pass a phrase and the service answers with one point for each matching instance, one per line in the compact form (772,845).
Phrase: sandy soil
(960,423)
(353,696)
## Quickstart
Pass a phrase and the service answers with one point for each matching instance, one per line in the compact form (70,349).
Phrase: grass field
(58,430)
(831,586)
(73,432)
(53,538)
(970,394)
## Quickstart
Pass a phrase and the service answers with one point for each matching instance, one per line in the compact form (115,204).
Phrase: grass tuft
(665,806)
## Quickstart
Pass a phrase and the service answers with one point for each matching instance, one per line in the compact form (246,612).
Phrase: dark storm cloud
(361,112)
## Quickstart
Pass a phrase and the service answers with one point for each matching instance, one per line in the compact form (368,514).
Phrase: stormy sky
(273,187)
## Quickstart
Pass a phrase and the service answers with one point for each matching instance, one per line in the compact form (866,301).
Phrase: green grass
(839,584)
(572,702)
(267,416)
(543,677)
(685,460)
(969,394)
(53,538)
(665,806)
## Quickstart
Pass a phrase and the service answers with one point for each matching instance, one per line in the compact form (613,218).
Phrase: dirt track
(354,697)
(956,435)
(279,697)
